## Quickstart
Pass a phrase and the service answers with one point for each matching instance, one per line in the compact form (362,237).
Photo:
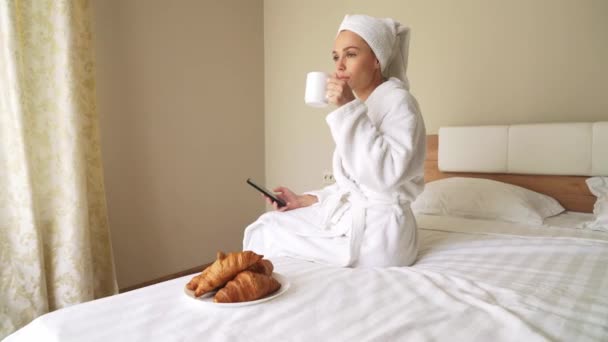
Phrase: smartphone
(266,192)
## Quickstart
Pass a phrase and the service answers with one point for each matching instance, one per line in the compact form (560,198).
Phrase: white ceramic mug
(316,86)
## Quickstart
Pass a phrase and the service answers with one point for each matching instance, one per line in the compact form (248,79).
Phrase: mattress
(474,280)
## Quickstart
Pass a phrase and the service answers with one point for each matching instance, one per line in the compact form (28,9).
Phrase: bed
(487,278)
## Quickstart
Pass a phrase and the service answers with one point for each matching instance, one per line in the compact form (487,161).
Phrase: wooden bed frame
(570,191)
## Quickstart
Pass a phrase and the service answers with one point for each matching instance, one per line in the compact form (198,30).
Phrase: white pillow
(599,187)
(485,199)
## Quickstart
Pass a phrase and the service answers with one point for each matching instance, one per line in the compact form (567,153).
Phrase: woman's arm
(292,200)
(379,157)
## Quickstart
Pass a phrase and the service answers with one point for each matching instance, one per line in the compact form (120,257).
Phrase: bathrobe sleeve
(323,193)
(379,157)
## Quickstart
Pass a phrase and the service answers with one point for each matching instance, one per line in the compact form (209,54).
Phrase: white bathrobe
(364,219)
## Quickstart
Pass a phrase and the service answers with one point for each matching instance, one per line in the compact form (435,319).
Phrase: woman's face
(355,61)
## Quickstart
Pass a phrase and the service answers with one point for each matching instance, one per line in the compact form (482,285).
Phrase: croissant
(194,281)
(247,286)
(223,269)
(263,266)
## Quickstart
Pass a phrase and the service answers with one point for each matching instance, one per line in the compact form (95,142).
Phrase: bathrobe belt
(359,205)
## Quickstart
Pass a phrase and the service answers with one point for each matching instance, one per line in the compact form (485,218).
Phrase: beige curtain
(54,239)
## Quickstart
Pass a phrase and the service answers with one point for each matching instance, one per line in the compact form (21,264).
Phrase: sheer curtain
(54,240)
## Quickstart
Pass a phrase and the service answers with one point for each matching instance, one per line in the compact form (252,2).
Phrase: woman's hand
(338,91)
(292,200)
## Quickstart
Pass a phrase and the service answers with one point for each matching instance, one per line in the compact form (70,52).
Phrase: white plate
(207,298)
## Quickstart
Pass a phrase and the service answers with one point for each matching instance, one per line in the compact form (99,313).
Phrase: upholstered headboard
(554,159)
(576,149)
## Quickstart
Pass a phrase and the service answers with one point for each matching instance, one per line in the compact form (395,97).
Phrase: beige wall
(180,88)
(472,62)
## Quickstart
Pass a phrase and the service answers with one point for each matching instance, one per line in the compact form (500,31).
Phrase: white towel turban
(388,39)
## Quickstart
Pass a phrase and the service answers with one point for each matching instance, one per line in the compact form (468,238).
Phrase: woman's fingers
(286,195)
(338,92)
(336,85)
(275,205)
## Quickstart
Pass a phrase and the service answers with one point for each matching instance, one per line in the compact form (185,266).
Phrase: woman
(364,219)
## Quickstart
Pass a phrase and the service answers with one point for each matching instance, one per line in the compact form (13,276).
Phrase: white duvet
(473,281)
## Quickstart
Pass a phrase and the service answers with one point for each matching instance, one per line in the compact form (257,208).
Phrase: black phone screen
(266,192)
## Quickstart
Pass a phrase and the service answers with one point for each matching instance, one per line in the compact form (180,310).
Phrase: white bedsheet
(473,281)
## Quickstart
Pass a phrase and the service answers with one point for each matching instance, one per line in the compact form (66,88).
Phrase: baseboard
(196,269)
